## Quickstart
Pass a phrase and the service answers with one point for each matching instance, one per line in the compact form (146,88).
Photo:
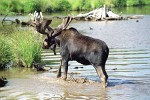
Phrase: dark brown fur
(75,46)
(83,49)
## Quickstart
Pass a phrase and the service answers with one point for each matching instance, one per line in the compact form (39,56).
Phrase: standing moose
(75,46)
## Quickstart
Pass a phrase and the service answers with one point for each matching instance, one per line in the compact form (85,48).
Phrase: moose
(75,46)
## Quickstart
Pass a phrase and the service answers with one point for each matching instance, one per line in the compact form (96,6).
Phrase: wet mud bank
(47,86)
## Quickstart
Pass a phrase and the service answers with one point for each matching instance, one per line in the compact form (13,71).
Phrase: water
(128,67)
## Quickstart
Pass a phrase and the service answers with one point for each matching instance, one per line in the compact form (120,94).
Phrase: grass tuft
(20,47)
(26,47)
(6,55)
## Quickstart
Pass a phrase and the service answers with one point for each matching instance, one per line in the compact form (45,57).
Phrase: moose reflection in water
(75,46)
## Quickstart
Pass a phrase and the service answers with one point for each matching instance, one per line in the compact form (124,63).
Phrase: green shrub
(95,4)
(131,2)
(21,6)
(64,5)
(85,5)
(19,46)
(26,47)
(4,6)
(119,3)
(6,55)
(136,2)
(76,4)
(11,6)
(32,5)
(146,2)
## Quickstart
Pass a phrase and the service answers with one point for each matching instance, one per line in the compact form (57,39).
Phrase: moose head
(42,26)
(50,41)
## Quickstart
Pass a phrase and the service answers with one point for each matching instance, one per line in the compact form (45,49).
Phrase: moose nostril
(45,47)
(45,43)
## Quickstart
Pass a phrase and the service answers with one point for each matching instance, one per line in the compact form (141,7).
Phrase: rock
(137,20)
(114,69)
(3,81)
(39,67)
(77,67)
(90,28)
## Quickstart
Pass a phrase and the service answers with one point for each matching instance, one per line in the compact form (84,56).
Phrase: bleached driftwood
(98,14)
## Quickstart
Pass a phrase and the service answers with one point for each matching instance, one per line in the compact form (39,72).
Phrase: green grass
(6,55)
(27,6)
(20,46)
(26,47)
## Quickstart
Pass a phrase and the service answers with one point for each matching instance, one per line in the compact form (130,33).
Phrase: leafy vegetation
(20,47)
(26,47)
(6,55)
(26,6)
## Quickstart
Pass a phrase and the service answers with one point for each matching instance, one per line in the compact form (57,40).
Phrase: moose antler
(43,25)
(40,24)
(65,23)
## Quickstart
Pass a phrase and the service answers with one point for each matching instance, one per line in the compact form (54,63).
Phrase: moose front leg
(53,48)
(59,70)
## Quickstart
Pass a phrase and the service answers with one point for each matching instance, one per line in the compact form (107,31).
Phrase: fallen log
(17,21)
(99,14)
(135,17)
(6,20)
(104,13)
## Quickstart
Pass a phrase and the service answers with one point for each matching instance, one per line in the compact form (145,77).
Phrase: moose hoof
(104,84)
(58,76)
(64,78)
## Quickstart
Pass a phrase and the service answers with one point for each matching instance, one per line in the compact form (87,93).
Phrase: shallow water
(128,67)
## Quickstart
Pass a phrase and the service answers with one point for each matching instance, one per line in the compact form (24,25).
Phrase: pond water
(128,66)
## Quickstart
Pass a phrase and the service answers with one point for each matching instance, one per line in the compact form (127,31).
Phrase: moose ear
(48,22)
(44,24)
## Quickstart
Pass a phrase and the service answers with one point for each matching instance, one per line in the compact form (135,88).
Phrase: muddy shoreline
(47,86)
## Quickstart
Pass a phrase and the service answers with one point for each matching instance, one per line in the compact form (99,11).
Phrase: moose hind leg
(102,73)
(59,70)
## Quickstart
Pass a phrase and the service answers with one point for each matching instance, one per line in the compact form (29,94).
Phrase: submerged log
(135,17)
(112,18)
(16,21)
(39,67)
(7,20)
